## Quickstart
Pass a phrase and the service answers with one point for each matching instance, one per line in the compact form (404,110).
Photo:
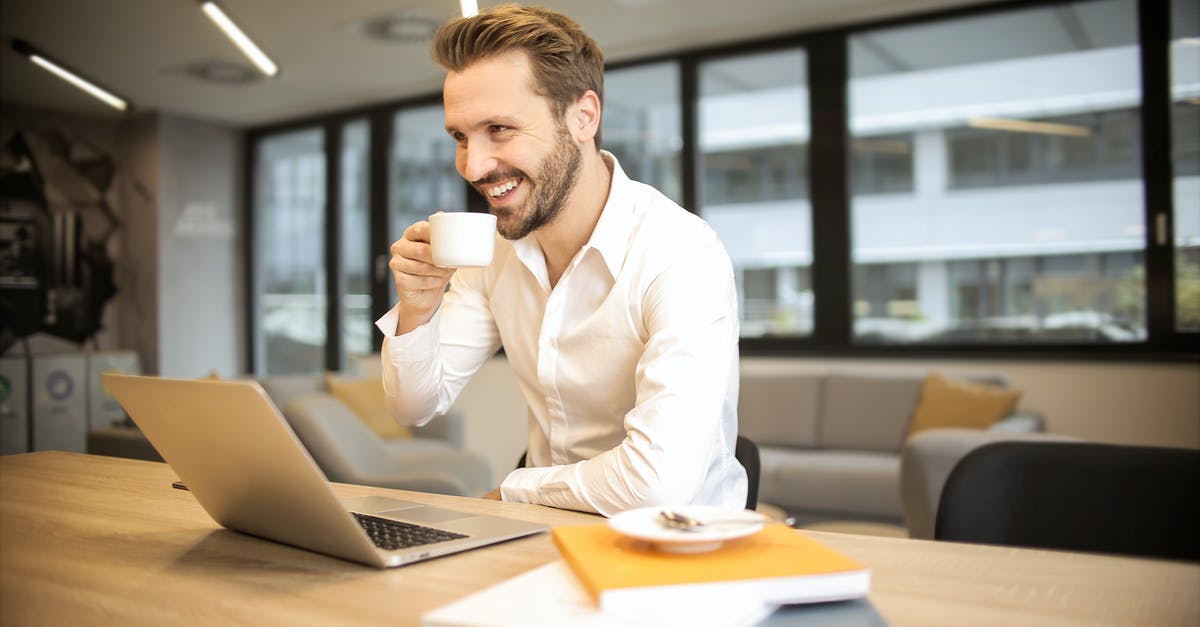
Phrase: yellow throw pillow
(960,404)
(365,398)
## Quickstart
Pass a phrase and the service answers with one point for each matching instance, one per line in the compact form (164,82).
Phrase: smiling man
(616,308)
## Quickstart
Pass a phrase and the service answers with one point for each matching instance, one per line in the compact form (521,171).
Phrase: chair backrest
(1078,496)
(746,452)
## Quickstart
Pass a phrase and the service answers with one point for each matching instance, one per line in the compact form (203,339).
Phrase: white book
(551,596)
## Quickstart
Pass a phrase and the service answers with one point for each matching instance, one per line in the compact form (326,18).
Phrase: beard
(556,177)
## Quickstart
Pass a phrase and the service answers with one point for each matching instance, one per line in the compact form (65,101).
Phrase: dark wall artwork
(55,224)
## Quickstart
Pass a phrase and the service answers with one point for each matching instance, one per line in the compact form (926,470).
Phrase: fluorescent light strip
(79,82)
(1027,126)
(470,8)
(235,34)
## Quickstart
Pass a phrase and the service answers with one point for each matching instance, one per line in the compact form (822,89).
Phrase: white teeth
(500,189)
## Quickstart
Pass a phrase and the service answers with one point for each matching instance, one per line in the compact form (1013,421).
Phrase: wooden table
(98,540)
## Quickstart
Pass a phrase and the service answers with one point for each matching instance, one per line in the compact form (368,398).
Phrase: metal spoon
(682,522)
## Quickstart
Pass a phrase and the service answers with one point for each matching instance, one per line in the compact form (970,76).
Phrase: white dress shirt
(629,365)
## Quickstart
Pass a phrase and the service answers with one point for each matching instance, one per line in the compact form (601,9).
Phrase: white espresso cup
(461,239)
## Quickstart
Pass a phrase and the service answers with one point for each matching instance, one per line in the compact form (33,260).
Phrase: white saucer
(643,524)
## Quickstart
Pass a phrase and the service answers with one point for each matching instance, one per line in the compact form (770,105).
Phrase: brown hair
(566,62)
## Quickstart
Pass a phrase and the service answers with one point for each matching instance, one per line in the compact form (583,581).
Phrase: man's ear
(585,117)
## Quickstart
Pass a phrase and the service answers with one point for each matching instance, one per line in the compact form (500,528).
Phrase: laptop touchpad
(375,504)
(426,514)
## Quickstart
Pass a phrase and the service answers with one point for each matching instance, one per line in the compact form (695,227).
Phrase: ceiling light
(220,72)
(72,77)
(239,38)
(470,8)
(1029,126)
(399,28)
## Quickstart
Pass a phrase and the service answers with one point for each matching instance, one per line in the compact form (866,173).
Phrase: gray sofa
(432,460)
(831,443)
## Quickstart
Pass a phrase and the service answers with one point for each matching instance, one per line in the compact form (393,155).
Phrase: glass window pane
(423,179)
(642,125)
(1022,217)
(1185,152)
(754,134)
(354,313)
(290,260)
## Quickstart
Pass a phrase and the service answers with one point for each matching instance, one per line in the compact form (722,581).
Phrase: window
(1024,221)
(642,126)
(1185,156)
(354,313)
(978,175)
(290,262)
(753,139)
(423,178)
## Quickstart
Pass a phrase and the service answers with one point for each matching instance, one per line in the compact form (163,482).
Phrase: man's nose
(477,161)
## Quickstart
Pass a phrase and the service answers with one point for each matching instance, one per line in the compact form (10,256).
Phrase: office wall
(201,285)
(135,308)
(177,250)
(1127,403)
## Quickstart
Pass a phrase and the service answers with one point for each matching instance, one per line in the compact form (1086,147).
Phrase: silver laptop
(237,454)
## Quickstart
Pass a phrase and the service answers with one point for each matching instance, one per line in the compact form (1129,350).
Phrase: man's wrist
(407,322)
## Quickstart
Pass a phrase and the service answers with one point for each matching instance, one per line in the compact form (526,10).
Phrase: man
(615,307)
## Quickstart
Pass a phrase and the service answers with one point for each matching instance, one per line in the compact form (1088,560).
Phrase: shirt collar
(610,237)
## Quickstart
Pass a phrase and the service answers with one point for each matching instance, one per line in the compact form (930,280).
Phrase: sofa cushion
(867,413)
(831,482)
(779,409)
(366,399)
(957,403)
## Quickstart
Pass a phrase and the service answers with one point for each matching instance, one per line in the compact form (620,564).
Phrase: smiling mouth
(496,192)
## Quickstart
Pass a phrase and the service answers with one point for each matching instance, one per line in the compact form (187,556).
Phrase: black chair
(746,452)
(1131,500)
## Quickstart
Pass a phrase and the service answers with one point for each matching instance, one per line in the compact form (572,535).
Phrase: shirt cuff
(556,486)
(415,344)
(388,321)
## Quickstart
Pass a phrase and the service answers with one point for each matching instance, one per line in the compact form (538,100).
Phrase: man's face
(511,146)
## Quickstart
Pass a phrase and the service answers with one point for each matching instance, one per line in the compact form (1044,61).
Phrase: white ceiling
(139,48)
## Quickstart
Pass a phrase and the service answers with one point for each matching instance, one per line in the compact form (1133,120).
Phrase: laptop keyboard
(391,534)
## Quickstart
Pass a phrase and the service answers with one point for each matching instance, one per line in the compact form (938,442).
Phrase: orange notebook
(777,565)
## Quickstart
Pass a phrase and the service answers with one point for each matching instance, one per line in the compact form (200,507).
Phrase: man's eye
(496,128)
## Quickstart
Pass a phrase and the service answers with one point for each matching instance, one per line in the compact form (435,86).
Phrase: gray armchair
(928,457)
(349,452)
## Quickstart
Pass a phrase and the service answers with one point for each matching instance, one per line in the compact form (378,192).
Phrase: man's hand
(420,285)
(493,495)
